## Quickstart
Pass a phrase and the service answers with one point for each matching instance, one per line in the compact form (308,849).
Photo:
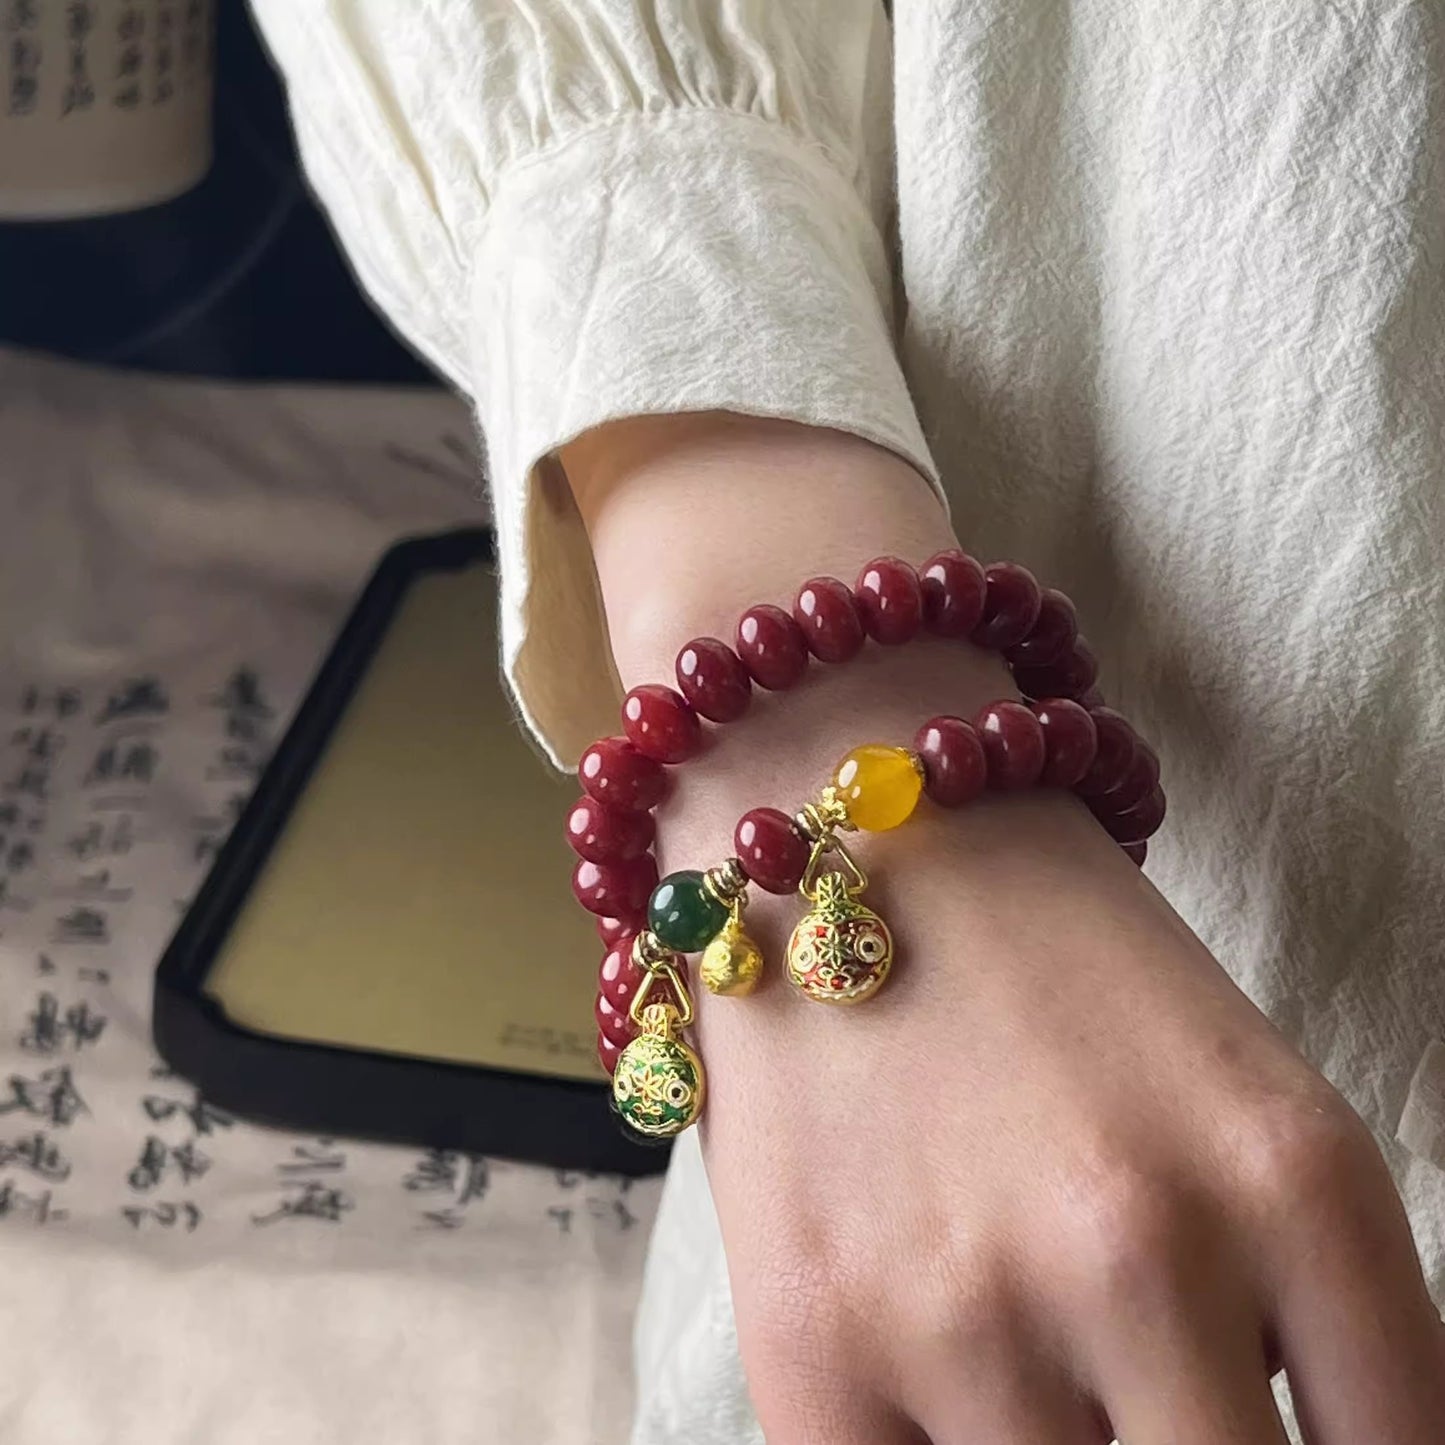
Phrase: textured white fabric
(1174,332)
(172,1276)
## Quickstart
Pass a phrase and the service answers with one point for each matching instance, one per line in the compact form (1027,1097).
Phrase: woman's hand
(1060,1179)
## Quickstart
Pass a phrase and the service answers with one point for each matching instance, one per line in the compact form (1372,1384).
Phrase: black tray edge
(327,1089)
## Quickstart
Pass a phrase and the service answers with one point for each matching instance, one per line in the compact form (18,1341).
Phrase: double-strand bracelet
(841,951)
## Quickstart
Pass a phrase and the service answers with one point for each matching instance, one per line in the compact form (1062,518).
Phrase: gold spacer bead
(727,882)
(649,953)
(823,818)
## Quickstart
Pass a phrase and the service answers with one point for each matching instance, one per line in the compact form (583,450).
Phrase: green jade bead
(683,913)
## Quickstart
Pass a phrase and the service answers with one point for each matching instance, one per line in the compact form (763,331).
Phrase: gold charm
(732,963)
(658,1084)
(841,951)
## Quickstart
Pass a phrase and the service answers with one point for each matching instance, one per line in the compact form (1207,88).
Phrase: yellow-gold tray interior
(418,900)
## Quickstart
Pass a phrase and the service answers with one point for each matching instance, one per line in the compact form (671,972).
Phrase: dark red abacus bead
(605,835)
(890,600)
(613,1023)
(1136,853)
(771,849)
(953,588)
(1013,745)
(955,769)
(1117,742)
(1052,634)
(1070,741)
(1132,825)
(771,646)
(661,723)
(618,975)
(1140,780)
(1072,675)
(607,1053)
(713,679)
(616,890)
(1010,606)
(614,772)
(610,930)
(828,614)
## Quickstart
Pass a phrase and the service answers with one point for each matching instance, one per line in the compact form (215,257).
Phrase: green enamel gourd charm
(658,1084)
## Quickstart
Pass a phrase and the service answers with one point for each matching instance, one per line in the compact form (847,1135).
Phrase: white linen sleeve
(585,211)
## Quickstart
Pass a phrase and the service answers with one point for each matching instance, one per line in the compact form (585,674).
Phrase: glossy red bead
(606,835)
(1072,675)
(1013,745)
(1136,853)
(713,679)
(1010,606)
(890,600)
(771,646)
(1140,780)
(613,1023)
(1070,741)
(1132,825)
(826,611)
(661,723)
(953,588)
(955,770)
(1113,756)
(615,773)
(618,977)
(771,849)
(607,1053)
(616,890)
(610,930)
(1052,634)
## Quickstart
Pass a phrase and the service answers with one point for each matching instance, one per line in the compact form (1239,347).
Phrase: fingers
(1194,1386)
(809,1382)
(1016,1408)
(987,1374)
(1173,1340)
(1364,1346)
(826,1411)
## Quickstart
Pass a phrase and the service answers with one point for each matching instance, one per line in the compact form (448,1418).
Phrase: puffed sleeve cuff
(695,260)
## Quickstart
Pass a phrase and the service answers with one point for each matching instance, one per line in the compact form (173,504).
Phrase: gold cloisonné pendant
(841,951)
(658,1084)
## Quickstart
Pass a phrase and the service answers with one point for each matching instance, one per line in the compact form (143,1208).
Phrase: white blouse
(1153,292)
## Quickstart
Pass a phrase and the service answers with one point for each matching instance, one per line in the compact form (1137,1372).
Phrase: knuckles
(1307,1157)
(1132,1225)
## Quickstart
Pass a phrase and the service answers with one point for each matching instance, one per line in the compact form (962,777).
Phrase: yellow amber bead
(879,786)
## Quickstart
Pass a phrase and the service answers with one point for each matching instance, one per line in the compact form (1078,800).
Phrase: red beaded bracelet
(1069,739)
(1001,606)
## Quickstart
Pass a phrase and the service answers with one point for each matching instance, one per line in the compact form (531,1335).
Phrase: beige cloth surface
(174,559)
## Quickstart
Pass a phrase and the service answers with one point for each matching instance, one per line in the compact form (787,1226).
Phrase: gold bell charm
(732,963)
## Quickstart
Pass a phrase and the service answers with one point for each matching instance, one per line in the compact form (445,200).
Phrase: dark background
(240,277)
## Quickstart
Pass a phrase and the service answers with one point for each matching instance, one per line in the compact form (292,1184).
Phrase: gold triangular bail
(828,846)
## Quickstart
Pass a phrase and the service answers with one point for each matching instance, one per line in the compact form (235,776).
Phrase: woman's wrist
(692,518)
